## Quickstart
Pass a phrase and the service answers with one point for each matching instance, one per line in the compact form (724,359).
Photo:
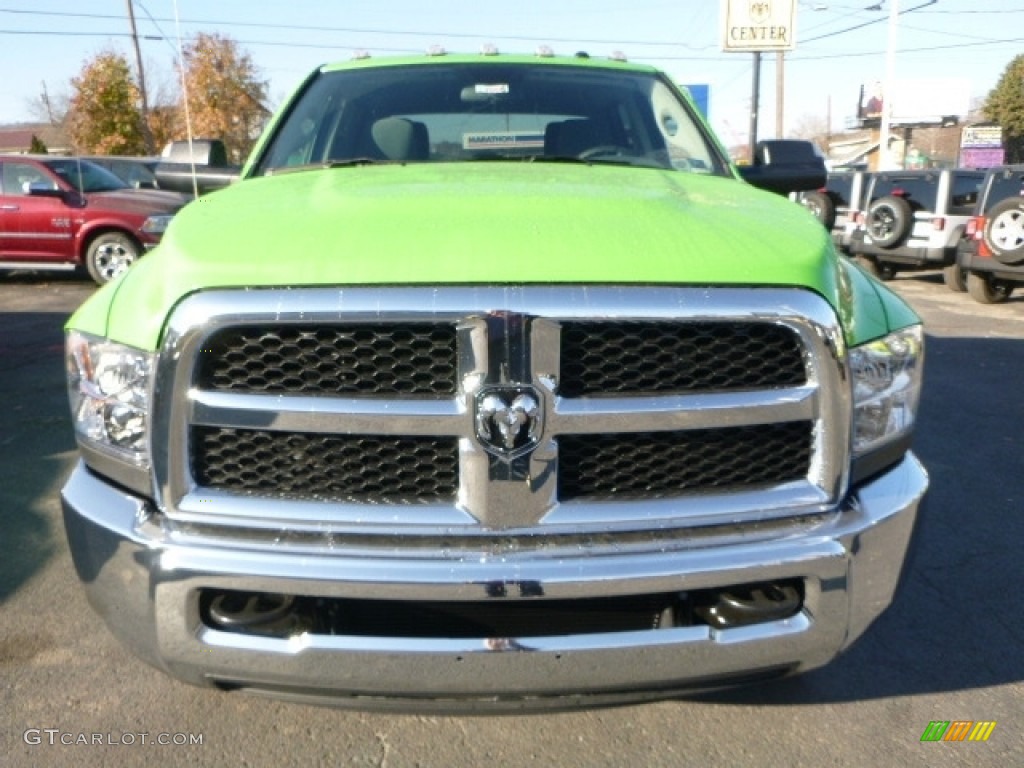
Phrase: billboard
(758,25)
(981,146)
(982,157)
(983,135)
(918,101)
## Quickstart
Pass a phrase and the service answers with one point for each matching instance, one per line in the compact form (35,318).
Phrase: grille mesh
(365,468)
(419,359)
(366,359)
(660,464)
(604,358)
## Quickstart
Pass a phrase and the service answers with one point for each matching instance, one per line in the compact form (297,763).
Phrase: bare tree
(49,107)
(811,128)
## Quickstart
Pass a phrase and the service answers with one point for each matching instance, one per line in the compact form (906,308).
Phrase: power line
(364,30)
(866,23)
(796,56)
(926,49)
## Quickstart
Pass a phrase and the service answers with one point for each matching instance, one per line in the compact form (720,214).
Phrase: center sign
(758,25)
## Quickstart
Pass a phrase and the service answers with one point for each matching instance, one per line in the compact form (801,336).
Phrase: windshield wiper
(355,161)
(347,163)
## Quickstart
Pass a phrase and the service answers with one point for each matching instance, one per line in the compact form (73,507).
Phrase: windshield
(461,112)
(85,176)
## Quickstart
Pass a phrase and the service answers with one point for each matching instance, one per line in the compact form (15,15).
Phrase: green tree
(225,94)
(1005,106)
(37,147)
(104,116)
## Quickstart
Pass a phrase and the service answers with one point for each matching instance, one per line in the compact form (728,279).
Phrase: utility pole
(755,98)
(147,136)
(828,126)
(780,94)
(48,105)
(885,159)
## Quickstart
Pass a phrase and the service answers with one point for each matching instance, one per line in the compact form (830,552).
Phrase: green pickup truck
(492,384)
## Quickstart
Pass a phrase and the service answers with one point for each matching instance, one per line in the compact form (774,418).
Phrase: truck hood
(483,223)
(143,202)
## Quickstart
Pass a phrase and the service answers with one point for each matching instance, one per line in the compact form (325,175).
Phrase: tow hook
(258,612)
(752,604)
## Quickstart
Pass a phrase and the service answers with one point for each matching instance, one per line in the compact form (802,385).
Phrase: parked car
(136,172)
(914,220)
(991,252)
(68,213)
(836,204)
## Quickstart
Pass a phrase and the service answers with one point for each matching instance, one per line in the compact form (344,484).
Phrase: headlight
(109,386)
(886,389)
(155,225)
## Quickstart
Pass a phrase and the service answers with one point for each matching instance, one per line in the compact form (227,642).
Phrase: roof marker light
(617,56)
(436,50)
(360,54)
(489,49)
(545,51)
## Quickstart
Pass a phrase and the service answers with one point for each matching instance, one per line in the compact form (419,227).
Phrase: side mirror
(42,189)
(70,198)
(786,165)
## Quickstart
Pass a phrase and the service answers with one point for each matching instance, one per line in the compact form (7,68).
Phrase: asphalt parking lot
(950,648)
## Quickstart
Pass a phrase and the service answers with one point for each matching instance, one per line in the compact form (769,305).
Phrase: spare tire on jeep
(889,220)
(1004,230)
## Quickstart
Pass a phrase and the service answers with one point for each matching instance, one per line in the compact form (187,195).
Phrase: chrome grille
(393,359)
(362,468)
(660,464)
(356,410)
(630,358)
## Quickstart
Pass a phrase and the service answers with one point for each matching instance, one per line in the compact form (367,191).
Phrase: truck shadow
(958,621)
(35,441)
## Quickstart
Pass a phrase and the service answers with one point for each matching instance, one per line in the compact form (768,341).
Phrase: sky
(839,45)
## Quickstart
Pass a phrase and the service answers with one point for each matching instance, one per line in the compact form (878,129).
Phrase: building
(17,139)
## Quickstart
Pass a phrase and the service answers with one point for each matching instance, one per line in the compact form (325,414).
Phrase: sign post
(755,26)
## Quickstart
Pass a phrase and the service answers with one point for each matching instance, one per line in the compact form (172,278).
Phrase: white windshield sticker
(503,140)
(491,89)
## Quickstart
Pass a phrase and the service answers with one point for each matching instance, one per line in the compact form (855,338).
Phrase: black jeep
(991,253)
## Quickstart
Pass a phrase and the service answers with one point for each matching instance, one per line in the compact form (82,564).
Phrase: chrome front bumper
(145,581)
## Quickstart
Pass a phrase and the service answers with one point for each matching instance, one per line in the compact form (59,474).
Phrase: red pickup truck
(68,213)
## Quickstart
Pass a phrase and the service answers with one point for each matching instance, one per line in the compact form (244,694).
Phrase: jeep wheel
(955,278)
(820,205)
(877,269)
(888,221)
(109,254)
(985,289)
(1004,230)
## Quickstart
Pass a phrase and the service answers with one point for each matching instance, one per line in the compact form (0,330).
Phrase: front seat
(401,139)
